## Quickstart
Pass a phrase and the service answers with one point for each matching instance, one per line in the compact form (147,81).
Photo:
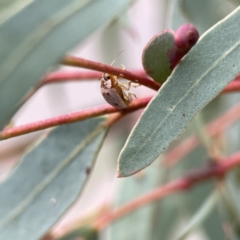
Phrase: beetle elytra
(114,92)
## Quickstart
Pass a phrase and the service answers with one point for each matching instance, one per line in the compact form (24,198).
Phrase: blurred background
(130,33)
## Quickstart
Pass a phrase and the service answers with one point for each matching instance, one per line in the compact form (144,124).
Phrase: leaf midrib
(40,187)
(185,95)
(37,36)
(12,9)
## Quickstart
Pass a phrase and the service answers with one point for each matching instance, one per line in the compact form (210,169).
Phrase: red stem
(181,184)
(80,62)
(64,76)
(69,76)
(72,117)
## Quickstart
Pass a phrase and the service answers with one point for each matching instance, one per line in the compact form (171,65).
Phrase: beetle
(114,93)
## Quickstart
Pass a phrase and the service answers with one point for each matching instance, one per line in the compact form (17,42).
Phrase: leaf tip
(125,173)
(119,175)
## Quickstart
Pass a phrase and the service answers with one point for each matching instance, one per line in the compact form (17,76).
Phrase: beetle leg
(123,86)
(136,84)
(123,67)
(127,85)
(130,95)
(125,95)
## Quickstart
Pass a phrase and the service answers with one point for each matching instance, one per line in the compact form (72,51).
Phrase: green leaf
(199,216)
(229,203)
(155,58)
(173,210)
(10,7)
(132,188)
(209,66)
(205,13)
(160,218)
(83,233)
(236,2)
(177,18)
(49,179)
(39,36)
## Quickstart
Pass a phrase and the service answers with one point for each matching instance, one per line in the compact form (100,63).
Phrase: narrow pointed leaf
(10,7)
(177,17)
(81,233)
(205,13)
(132,188)
(38,36)
(236,2)
(209,66)
(229,203)
(199,216)
(49,179)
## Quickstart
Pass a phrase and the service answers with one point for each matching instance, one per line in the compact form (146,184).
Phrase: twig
(62,76)
(181,184)
(72,117)
(67,76)
(138,78)
(80,62)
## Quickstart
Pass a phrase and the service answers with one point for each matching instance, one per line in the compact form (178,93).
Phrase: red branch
(65,76)
(68,118)
(72,117)
(181,184)
(80,62)
(69,76)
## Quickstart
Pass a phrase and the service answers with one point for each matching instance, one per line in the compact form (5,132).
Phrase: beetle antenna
(116,57)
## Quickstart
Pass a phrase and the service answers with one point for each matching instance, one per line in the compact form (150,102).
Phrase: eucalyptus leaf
(81,233)
(172,211)
(132,188)
(177,18)
(38,36)
(229,201)
(205,13)
(208,67)
(10,7)
(49,179)
(236,2)
(234,195)
(199,216)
